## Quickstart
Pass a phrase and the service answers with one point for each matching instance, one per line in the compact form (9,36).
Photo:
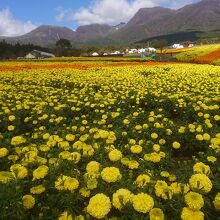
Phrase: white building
(142,50)
(37,54)
(191,45)
(151,49)
(133,51)
(95,54)
(30,56)
(116,53)
(177,46)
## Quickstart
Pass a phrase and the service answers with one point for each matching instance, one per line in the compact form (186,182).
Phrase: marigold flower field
(110,142)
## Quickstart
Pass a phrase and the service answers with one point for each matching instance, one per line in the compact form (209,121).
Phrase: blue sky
(20,16)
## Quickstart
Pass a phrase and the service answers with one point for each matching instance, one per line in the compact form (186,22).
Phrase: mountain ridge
(146,23)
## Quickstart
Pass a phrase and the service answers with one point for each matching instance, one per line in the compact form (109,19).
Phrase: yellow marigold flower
(44,148)
(162,190)
(125,161)
(169,131)
(65,216)
(176,145)
(59,183)
(19,171)
(17,140)
(64,144)
(37,189)
(194,201)
(28,201)
(217,117)
(172,178)
(46,136)
(99,206)
(151,119)
(40,172)
(11,128)
(93,167)
(175,188)
(201,182)
(156,147)
(13,158)
(132,141)
(115,155)
(181,130)
(70,137)
(71,183)
(142,202)
(84,192)
(111,174)
(6,177)
(162,154)
(201,168)
(11,118)
(126,121)
(153,157)
(216,202)
(162,141)
(136,149)
(79,217)
(186,188)
(206,137)
(91,182)
(142,180)
(156,214)
(164,174)
(121,197)
(3,152)
(212,159)
(133,164)
(154,135)
(138,127)
(145,126)
(189,214)
(74,156)
(199,137)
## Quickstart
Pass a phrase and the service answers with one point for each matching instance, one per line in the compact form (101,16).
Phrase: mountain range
(147,23)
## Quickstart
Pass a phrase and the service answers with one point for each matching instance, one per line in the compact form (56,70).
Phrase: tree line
(63,47)
(12,51)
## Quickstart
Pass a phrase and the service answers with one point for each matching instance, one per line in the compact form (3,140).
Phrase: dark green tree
(160,44)
(63,43)
(63,46)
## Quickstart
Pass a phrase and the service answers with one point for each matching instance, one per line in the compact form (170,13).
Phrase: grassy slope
(194,52)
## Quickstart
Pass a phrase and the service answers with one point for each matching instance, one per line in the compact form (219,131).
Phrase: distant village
(36,54)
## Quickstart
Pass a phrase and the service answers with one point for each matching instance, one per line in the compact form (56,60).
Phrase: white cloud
(12,27)
(62,13)
(114,11)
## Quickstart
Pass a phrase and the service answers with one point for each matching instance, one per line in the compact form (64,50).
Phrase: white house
(177,46)
(151,49)
(95,54)
(133,51)
(30,56)
(116,52)
(142,50)
(191,45)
